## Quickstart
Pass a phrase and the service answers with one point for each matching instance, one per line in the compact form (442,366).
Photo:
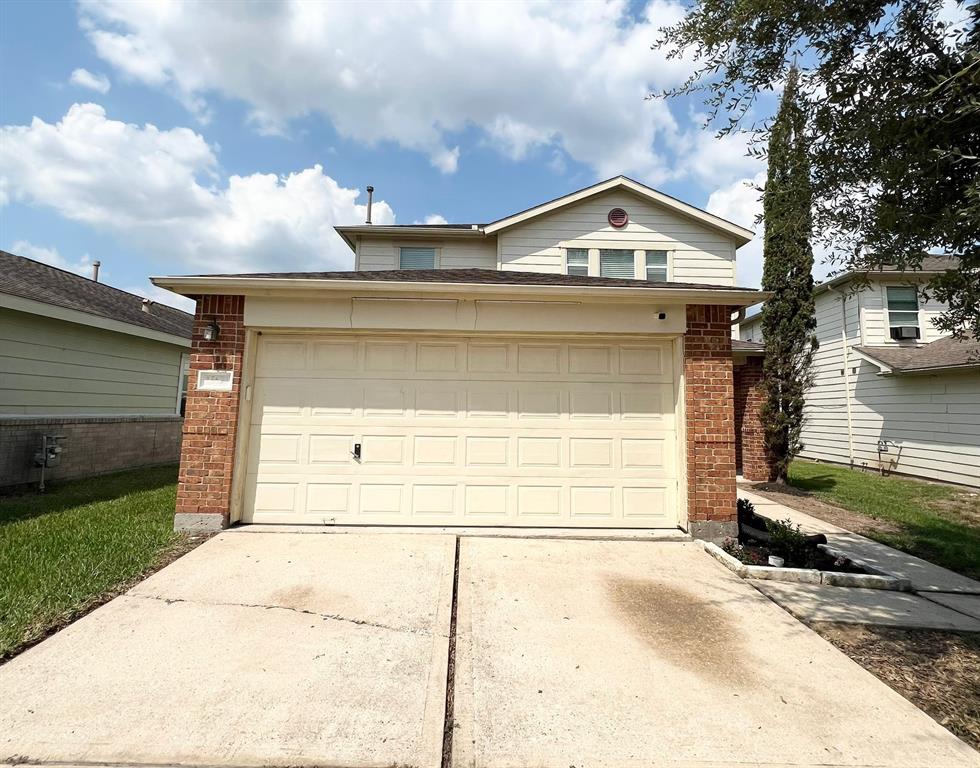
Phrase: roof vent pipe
(95,270)
(146,305)
(370,191)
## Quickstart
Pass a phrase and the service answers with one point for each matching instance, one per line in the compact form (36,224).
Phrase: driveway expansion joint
(305,612)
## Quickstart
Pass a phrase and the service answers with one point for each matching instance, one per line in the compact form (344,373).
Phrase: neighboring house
(569,365)
(103,368)
(890,391)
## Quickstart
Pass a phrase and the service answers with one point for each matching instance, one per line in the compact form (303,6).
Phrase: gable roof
(940,355)
(36,282)
(741,235)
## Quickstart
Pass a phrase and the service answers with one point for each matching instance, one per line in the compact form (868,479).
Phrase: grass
(939,523)
(63,551)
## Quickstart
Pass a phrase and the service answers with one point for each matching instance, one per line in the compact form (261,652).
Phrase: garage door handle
(356,453)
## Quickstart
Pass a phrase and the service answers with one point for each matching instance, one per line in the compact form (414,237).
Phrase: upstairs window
(903,308)
(614,262)
(656,266)
(417,258)
(577,261)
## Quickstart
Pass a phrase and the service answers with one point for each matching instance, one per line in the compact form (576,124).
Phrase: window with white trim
(183,376)
(616,262)
(903,306)
(656,266)
(417,258)
(577,261)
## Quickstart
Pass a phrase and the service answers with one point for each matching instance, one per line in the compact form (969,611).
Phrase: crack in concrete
(266,607)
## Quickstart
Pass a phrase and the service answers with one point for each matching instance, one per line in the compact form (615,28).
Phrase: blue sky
(166,139)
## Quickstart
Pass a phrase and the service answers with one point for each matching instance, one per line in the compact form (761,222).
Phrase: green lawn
(939,523)
(61,550)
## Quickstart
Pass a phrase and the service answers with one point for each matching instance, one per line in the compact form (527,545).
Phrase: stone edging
(877,580)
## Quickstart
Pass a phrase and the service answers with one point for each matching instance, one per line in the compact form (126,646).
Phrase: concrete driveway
(271,649)
(276,649)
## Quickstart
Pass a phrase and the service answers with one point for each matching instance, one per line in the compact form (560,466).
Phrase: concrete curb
(876,580)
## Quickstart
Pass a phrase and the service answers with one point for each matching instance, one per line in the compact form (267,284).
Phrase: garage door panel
(434,500)
(384,499)
(333,449)
(472,432)
(328,498)
(534,452)
(435,451)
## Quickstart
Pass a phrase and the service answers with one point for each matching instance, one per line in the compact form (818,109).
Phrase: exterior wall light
(211,331)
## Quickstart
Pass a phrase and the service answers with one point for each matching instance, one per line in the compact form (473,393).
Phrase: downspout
(847,372)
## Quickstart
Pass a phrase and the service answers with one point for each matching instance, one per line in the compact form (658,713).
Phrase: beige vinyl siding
(53,367)
(382,253)
(698,254)
(875,315)
(932,421)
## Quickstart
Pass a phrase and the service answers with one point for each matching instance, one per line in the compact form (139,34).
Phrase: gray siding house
(890,392)
(100,367)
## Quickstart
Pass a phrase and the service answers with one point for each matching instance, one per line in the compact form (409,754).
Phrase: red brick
(708,381)
(211,420)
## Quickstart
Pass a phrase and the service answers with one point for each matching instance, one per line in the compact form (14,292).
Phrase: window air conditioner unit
(905,332)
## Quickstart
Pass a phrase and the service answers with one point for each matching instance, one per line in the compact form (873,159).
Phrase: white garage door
(462,432)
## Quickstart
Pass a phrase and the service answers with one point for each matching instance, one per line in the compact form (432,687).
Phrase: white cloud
(85,79)
(433,218)
(741,202)
(566,76)
(50,256)
(713,160)
(160,190)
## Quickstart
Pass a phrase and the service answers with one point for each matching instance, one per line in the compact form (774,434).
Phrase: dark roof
(747,346)
(481,276)
(929,263)
(434,226)
(939,355)
(476,228)
(33,280)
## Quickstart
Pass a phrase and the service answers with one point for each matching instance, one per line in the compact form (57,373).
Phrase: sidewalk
(941,599)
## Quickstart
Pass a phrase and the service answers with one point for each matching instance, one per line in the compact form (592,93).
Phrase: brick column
(750,451)
(211,418)
(709,396)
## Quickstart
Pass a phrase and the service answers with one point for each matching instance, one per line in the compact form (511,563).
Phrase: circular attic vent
(618,218)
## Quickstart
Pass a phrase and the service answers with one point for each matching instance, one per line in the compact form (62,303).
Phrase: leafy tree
(788,320)
(891,89)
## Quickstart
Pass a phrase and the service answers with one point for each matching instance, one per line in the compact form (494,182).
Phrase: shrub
(745,510)
(789,543)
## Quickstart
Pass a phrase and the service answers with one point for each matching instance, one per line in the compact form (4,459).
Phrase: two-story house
(567,365)
(890,391)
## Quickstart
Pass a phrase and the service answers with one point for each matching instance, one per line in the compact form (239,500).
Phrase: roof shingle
(938,355)
(29,279)
(480,276)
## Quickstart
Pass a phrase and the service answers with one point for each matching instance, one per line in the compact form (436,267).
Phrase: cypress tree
(788,320)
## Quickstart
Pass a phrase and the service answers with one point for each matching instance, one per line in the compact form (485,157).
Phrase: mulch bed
(938,671)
